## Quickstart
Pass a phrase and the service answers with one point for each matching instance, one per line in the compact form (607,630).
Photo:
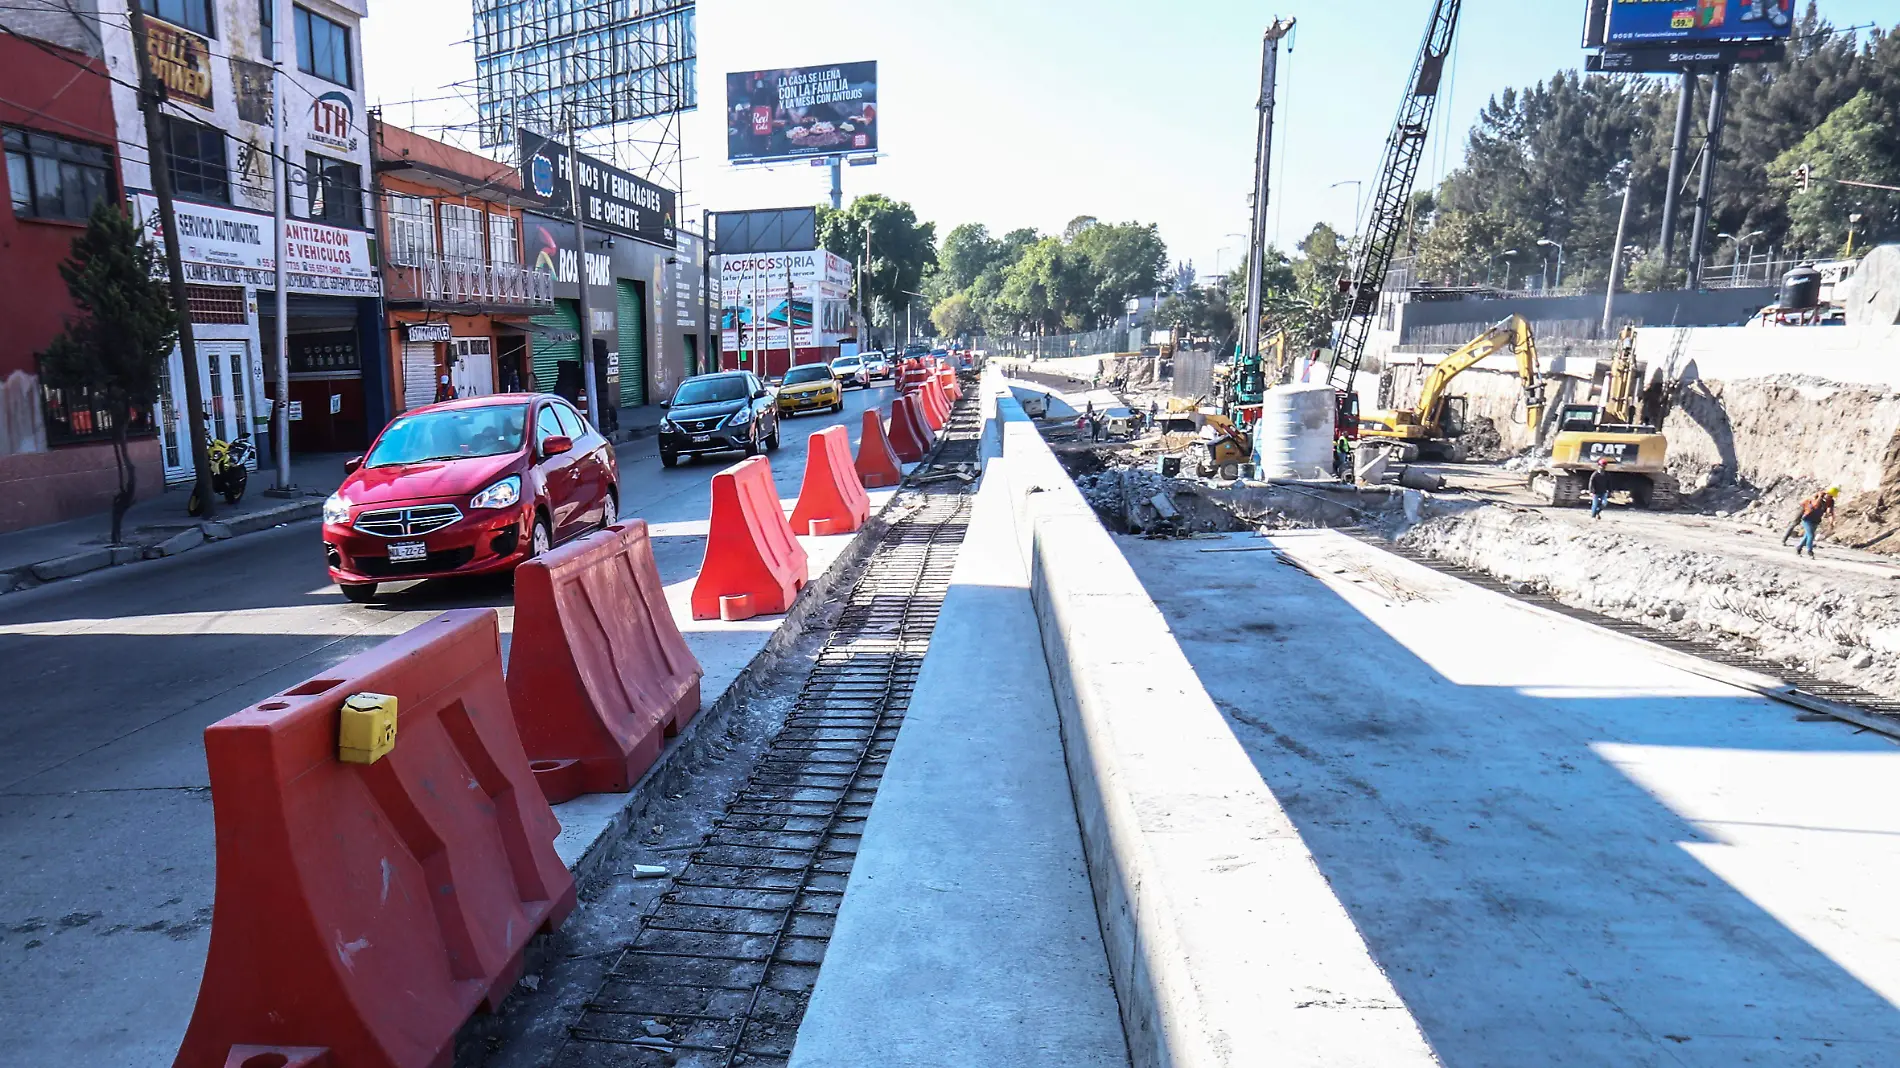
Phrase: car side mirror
(351,465)
(557,445)
(760,395)
(666,404)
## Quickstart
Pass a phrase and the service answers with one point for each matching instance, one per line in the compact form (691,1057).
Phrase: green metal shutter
(565,317)
(633,344)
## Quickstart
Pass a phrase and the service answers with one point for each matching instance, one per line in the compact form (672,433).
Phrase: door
(590,468)
(418,374)
(473,374)
(558,475)
(225,382)
(692,355)
(633,344)
(560,341)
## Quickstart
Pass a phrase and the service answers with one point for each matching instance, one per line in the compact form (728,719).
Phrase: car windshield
(451,434)
(816,372)
(845,363)
(710,390)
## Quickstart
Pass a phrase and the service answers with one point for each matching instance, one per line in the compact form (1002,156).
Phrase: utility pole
(1616,254)
(280,416)
(588,375)
(151,95)
(791,317)
(837,183)
(714,356)
(1678,151)
(1705,189)
(1249,381)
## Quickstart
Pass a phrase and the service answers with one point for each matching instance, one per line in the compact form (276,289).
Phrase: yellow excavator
(1613,430)
(1431,430)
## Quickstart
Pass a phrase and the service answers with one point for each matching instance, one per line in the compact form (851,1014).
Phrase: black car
(725,412)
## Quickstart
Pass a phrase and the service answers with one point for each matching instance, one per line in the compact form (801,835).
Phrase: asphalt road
(109,682)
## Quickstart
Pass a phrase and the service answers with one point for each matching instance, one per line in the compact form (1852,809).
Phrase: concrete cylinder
(1295,437)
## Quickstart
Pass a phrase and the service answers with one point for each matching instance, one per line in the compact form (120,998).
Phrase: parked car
(468,487)
(850,371)
(877,365)
(732,411)
(809,388)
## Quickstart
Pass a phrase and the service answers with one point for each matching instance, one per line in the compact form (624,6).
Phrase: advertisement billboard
(761,294)
(798,112)
(611,199)
(1676,22)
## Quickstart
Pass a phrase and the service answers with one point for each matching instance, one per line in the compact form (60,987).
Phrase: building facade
(215,58)
(460,294)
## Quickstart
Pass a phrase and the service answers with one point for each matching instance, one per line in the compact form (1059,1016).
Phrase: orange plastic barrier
(598,675)
(753,565)
(910,435)
(832,500)
(366,909)
(936,411)
(877,465)
(948,380)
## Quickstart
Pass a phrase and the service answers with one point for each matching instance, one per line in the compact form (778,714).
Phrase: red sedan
(466,488)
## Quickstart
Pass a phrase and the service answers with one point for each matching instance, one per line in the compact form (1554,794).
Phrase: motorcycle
(230,471)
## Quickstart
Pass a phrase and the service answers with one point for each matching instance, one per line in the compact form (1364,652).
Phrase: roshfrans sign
(612,199)
(223,246)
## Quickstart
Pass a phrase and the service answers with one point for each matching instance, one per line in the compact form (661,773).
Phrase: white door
(474,372)
(225,380)
(418,374)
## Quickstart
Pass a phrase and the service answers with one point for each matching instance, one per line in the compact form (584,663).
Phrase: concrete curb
(1227,945)
(185,540)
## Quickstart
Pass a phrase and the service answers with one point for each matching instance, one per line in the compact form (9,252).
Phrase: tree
(116,350)
(1856,143)
(1122,261)
(1201,310)
(954,316)
(902,249)
(1048,288)
(967,252)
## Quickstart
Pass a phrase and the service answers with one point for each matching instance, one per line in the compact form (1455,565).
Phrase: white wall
(1850,355)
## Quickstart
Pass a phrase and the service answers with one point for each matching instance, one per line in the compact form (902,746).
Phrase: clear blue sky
(1025,113)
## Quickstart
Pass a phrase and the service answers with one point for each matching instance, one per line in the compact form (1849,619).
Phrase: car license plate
(700,439)
(400,551)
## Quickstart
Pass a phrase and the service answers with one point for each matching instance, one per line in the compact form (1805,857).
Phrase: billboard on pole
(797,112)
(611,199)
(1676,22)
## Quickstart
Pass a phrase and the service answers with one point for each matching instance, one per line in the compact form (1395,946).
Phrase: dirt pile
(1482,440)
(1848,632)
(1870,520)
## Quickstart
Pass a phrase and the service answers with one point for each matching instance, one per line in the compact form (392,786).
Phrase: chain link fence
(1093,343)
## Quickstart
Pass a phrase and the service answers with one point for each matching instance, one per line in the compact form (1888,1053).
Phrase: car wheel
(541,541)
(669,459)
(358,593)
(752,448)
(838,407)
(771,441)
(610,510)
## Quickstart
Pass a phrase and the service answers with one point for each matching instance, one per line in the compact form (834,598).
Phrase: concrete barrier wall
(1227,945)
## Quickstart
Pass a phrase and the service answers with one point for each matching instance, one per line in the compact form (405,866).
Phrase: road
(1563,845)
(105,810)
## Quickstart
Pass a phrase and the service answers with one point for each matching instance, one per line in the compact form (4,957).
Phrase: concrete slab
(1562,846)
(968,934)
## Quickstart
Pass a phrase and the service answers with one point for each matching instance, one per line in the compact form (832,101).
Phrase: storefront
(775,303)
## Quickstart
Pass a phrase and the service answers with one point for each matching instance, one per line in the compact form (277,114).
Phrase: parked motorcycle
(230,471)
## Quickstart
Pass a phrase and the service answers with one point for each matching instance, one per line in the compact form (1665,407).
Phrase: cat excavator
(1614,430)
(1431,430)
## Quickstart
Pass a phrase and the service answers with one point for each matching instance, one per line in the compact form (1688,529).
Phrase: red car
(466,488)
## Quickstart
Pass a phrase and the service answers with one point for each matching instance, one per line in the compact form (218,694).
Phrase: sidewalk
(160,527)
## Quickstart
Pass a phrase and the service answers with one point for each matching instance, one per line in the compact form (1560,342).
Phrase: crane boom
(1397,172)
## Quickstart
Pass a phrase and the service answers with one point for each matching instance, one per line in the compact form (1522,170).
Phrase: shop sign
(423,332)
(226,246)
(181,61)
(333,122)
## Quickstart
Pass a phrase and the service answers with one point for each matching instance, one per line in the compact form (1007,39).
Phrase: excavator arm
(1619,399)
(1513,333)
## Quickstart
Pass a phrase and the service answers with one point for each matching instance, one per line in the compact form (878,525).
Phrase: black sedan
(730,412)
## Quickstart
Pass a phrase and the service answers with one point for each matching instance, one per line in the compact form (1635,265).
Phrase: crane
(1377,244)
(1247,385)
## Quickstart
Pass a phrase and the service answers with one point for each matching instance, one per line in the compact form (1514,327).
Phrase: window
(77,415)
(411,230)
(336,191)
(546,425)
(504,241)
(197,161)
(461,233)
(52,178)
(323,47)
(191,14)
(224,305)
(267,26)
(571,422)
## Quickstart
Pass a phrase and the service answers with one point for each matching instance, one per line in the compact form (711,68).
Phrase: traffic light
(1804,176)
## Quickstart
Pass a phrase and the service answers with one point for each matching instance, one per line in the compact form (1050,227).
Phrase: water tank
(1294,439)
(1801,288)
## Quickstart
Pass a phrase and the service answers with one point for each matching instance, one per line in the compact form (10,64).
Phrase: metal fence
(1193,374)
(449,281)
(1093,343)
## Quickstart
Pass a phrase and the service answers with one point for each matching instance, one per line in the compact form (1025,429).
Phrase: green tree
(967,252)
(903,249)
(116,350)
(1122,261)
(954,316)
(1202,310)
(1856,142)
(1048,288)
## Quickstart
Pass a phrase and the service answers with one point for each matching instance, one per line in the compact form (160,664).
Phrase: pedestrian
(1600,487)
(1813,510)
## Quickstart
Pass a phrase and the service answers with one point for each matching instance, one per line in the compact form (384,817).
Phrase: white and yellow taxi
(810,388)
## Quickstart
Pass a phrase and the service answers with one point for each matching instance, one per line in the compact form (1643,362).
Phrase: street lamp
(1853,220)
(1506,257)
(1358,188)
(1559,246)
(1739,246)
(1221,251)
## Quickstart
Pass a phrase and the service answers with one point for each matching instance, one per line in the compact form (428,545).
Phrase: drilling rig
(1246,383)
(1385,224)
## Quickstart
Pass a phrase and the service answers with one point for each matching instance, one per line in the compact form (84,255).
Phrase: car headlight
(667,427)
(336,510)
(742,417)
(503,494)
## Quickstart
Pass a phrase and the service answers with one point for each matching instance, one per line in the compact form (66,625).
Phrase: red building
(57,129)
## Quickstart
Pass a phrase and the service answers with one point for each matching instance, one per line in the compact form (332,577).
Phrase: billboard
(798,112)
(760,294)
(611,199)
(1676,22)
(776,230)
(574,63)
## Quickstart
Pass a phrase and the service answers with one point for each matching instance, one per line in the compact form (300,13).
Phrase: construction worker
(1342,457)
(1600,487)
(1813,510)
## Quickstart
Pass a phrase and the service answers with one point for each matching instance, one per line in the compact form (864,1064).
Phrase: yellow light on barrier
(367,732)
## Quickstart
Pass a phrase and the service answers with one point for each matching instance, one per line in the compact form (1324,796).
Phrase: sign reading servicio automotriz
(801,111)
(611,199)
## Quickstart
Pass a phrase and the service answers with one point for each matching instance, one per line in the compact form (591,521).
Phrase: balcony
(435,280)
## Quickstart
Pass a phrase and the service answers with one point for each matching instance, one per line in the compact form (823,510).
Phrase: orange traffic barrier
(832,500)
(936,408)
(598,674)
(753,565)
(927,415)
(910,435)
(383,858)
(877,465)
(948,380)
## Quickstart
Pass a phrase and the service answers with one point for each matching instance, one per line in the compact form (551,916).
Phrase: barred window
(224,305)
(411,230)
(76,416)
(504,240)
(462,233)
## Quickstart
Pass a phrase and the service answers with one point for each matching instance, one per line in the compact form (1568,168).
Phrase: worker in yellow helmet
(1813,510)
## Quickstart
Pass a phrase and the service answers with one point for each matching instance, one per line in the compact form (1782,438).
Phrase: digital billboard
(1674,22)
(799,112)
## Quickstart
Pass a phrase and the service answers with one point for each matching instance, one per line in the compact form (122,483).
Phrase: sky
(1015,113)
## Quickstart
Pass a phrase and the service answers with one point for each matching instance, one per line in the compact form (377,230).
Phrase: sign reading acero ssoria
(223,246)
